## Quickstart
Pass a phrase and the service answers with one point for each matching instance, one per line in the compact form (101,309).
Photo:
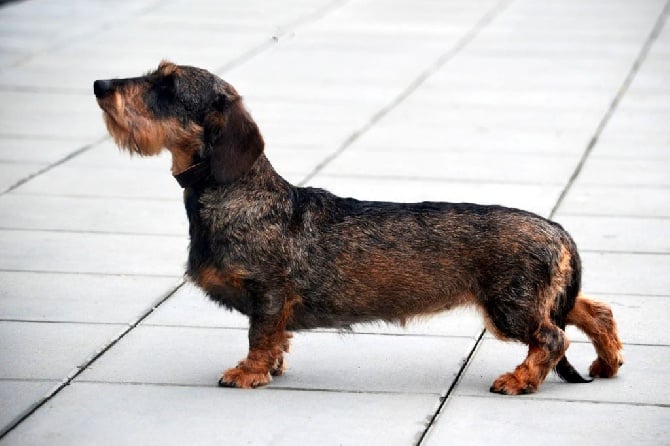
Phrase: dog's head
(185,109)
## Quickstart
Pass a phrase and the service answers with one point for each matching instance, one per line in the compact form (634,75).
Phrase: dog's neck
(198,172)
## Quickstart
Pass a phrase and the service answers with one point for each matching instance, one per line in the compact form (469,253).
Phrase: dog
(295,258)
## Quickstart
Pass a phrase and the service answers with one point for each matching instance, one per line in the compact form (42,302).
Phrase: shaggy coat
(293,258)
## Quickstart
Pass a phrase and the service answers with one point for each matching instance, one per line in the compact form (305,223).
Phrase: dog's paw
(601,369)
(509,384)
(243,379)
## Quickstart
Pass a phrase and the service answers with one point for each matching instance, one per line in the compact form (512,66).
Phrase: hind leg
(546,347)
(596,320)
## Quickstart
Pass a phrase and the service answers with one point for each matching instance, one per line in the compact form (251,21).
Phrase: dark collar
(196,174)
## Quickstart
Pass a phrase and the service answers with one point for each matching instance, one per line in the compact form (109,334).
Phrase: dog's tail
(567,372)
(596,320)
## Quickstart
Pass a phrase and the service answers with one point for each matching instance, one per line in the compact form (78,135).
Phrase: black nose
(102,88)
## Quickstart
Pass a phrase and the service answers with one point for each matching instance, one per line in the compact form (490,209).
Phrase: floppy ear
(234,138)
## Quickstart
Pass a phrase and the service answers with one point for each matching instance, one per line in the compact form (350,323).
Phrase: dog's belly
(351,306)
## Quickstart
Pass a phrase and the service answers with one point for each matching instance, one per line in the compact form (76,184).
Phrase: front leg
(268,341)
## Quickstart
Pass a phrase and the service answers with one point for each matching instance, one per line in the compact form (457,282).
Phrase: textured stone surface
(479,421)
(488,102)
(317,360)
(57,297)
(107,414)
(33,350)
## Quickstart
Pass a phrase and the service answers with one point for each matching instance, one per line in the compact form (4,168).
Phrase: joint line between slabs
(452,387)
(623,89)
(412,87)
(47,168)
(87,363)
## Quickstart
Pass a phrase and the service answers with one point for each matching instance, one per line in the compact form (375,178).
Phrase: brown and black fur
(293,258)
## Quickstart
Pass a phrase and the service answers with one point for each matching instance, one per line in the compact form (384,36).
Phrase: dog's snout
(102,88)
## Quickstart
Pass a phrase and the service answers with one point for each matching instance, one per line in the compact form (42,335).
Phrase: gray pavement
(558,107)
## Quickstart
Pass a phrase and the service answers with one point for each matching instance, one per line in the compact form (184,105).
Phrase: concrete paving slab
(157,35)
(637,201)
(189,306)
(16,397)
(92,65)
(9,57)
(631,147)
(307,112)
(552,18)
(579,40)
(258,82)
(12,173)
(638,172)
(106,414)
(77,9)
(79,297)
(469,139)
(294,165)
(371,362)
(650,79)
(638,381)
(93,214)
(515,118)
(650,123)
(45,251)
(530,72)
(236,15)
(37,350)
(626,273)
(507,421)
(408,18)
(621,234)
(60,115)
(472,166)
(105,182)
(333,361)
(107,154)
(36,28)
(537,198)
(459,322)
(559,45)
(333,36)
(641,319)
(438,94)
(37,150)
(183,356)
(170,41)
(291,132)
(645,100)
(430,14)
(332,63)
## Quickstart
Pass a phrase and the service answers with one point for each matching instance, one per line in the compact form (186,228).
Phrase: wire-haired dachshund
(294,258)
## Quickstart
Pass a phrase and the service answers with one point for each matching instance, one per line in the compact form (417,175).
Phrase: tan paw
(508,384)
(601,369)
(243,379)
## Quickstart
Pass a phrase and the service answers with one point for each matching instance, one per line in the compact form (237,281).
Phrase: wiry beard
(131,130)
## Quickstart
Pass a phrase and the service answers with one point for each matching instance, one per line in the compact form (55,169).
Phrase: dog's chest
(235,232)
